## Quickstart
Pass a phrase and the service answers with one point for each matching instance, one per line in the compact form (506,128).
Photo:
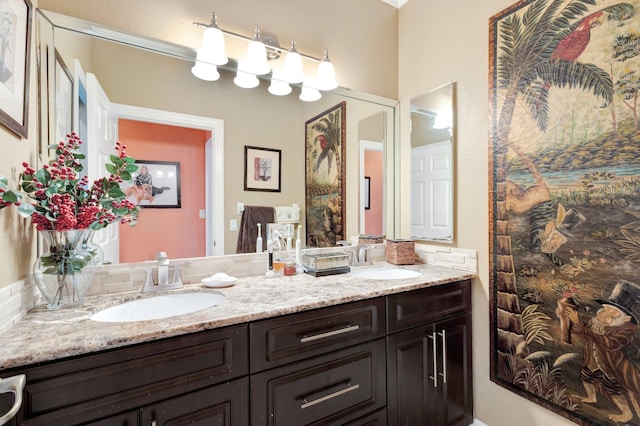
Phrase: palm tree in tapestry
(329,139)
(539,51)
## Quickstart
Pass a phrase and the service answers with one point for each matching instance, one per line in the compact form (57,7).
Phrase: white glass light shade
(245,79)
(308,93)
(326,74)
(256,59)
(293,72)
(205,71)
(213,50)
(278,86)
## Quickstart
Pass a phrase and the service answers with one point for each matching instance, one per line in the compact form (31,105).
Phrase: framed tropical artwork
(565,206)
(325,177)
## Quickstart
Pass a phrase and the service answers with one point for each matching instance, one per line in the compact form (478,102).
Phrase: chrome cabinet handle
(329,334)
(435,360)
(14,384)
(332,395)
(444,356)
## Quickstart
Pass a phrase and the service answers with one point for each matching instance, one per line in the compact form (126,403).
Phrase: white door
(102,131)
(431,180)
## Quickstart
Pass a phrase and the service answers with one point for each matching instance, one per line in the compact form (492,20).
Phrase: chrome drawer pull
(435,360)
(349,388)
(444,356)
(306,339)
(15,385)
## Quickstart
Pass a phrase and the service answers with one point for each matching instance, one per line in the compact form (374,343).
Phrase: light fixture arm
(214,23)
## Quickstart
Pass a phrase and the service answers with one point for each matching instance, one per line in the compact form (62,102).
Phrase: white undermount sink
(156,307)
(385,273)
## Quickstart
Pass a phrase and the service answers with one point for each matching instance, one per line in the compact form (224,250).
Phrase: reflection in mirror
(432,149)
(142,92)
(371,139)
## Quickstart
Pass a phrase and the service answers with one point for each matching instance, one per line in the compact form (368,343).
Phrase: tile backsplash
(17,298)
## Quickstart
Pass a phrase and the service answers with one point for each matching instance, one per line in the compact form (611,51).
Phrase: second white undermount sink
(157,307)
(385,273)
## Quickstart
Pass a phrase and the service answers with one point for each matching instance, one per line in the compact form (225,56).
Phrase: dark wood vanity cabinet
(402,359)
(100,387)
(429,368)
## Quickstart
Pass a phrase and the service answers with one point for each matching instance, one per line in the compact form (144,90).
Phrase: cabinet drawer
(414,308)
(330,389)
(279,341)
(79,390)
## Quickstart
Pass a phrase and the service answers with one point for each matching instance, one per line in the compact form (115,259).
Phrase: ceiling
(396,3)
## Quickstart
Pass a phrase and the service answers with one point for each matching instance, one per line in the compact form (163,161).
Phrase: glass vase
(62,273)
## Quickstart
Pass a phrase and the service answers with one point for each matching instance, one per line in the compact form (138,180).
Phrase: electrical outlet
(202,214)
(233,225)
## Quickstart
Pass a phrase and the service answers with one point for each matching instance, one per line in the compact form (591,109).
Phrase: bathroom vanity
(337,350)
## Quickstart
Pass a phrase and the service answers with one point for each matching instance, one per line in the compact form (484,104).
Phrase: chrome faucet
(358,255)
(163,282)
(163,268)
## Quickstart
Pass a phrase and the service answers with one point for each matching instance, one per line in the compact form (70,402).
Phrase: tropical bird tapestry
(565,206)
(325,177)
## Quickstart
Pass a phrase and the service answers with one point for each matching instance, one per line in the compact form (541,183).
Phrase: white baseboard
(477,422)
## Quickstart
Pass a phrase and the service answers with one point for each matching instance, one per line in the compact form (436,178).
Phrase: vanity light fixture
(211,52)
(326,73)
(279,86)
(293,72)
(260,50)
(256,59)
(308,92)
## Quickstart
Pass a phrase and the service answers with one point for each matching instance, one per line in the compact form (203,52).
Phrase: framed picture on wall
(156,184)
(262,170)
(325,148)
(15,40)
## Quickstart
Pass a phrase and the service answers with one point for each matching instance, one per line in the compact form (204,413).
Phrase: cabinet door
(410,377)
(417,396)
(226,404)
(455,398)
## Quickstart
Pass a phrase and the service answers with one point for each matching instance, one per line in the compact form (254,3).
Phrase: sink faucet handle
(162,258)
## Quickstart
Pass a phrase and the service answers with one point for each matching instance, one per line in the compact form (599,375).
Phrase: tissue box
(325,260)
(401,252)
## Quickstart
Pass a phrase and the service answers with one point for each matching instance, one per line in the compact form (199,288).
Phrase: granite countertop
(44,335)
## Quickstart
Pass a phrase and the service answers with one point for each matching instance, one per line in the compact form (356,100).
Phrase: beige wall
(443,41)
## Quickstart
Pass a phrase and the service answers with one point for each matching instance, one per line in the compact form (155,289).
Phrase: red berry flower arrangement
(65,207)
(63,200)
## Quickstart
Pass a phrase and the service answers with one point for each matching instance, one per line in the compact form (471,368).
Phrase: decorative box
(401,252)
(370,239)
(325,260)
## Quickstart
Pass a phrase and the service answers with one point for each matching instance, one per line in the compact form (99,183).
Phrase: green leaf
(126,176)
(129,160)
(131,168)
(110,168)
(114,158)
(26,209)
(4,180)
(43,176)
(10,196)
(116,193)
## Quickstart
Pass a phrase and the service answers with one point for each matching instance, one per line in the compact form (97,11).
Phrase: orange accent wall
(178,232)
(373,169)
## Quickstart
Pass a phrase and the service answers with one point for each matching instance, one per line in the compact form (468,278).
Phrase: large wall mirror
(133,88)
(432,161)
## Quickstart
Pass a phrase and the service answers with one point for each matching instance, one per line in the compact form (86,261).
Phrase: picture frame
(262,169)
(15,61)
(367,193)
(156,184)
(63,98)
(564,180)
(325,178)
